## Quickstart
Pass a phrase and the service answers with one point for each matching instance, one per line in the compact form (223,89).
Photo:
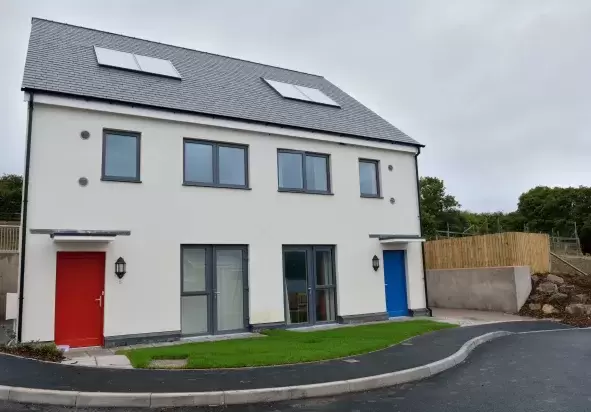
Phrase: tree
(10,196)
(438,209)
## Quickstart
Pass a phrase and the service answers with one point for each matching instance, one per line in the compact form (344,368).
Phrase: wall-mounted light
(120,267)
(375,263)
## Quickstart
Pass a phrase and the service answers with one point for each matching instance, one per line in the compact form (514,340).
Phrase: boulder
(547,288)
(536,298)
(535,306)
(555,279)
(558,297)
(548,309)
(578,309)
(580,298)
(566,288)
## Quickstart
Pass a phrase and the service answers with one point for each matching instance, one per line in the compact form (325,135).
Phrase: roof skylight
(129,61)
(307,94)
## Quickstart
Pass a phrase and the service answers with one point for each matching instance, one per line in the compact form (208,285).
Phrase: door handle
(100,301)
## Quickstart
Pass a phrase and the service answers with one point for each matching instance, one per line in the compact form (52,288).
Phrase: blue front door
(395,282)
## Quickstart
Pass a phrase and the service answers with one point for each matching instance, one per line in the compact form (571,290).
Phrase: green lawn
(283,346)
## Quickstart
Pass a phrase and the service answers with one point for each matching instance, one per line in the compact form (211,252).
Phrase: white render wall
(162,214)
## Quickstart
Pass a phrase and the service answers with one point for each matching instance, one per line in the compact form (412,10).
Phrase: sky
(499,91)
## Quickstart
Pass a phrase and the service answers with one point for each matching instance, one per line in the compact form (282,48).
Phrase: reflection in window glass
(316,173)
(290,171)
(121,156)
(368,178)
(198,162)
(194,314)
(324,272)
(193,270)
(231,166)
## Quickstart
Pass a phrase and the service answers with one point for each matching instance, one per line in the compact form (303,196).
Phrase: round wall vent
(392,200)
(83,181)
(84,134)
(390,167)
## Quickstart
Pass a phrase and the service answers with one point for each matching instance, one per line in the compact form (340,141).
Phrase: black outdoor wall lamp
(120,267)
(375,263)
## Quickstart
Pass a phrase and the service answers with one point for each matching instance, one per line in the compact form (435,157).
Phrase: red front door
(79,298)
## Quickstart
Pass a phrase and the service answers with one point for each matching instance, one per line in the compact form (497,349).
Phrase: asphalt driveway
(544,371)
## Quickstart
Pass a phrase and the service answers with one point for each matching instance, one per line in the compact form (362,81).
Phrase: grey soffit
(61,60)
(73,232)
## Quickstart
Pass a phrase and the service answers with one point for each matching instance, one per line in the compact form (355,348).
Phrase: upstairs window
(369,178)
(121,156)
(215,164)
(303,172)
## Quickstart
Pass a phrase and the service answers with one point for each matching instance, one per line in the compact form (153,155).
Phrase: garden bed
(45,352)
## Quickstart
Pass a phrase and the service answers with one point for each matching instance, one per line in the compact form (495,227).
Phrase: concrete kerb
(157,400)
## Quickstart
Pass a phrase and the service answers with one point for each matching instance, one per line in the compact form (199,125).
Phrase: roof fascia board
(214,121)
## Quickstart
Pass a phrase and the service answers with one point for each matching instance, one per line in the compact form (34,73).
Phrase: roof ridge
(178,47)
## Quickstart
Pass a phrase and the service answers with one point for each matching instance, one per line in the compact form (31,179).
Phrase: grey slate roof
(61,59)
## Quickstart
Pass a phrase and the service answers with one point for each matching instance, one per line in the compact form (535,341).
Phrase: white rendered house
(172,193)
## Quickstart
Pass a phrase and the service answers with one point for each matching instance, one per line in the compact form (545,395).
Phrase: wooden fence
(9,238)
(501,249)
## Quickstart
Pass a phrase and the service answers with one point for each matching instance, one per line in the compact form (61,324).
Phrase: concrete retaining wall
(8,278)
(503,289)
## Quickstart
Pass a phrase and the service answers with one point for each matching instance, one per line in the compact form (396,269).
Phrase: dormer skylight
(307,94)
(136,62)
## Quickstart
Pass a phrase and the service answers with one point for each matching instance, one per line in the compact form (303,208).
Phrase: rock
(548,288)
(548,309)
(535,278)
(580,298)
(566,288)
(555,279)
(535,306)
(536,298)
(578,309)
(558,297)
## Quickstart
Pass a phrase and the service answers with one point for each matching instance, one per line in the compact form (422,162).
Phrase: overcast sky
(498,91)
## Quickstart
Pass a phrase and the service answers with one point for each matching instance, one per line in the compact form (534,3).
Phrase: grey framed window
(369,178)
(215,164)
(121,156)
(303,172)
(310,293)
(214,289)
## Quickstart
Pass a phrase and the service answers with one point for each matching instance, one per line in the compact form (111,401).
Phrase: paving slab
(418,351)
(113,361)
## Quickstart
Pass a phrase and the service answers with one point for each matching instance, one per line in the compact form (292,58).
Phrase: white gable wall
(162,214)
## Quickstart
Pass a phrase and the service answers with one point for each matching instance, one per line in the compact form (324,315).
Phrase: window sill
(371,197)
(304,192)
(215,186)
(119,179)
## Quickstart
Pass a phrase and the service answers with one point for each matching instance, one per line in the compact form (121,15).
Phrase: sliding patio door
(214,289)
(310,284)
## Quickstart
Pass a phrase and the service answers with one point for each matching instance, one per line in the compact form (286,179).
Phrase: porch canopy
(81,236)
(398,238)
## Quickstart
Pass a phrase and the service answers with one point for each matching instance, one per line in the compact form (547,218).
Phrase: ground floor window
(310,284)
(214,289)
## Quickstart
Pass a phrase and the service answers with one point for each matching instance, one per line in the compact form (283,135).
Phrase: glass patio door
(310,284)
(213,289)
